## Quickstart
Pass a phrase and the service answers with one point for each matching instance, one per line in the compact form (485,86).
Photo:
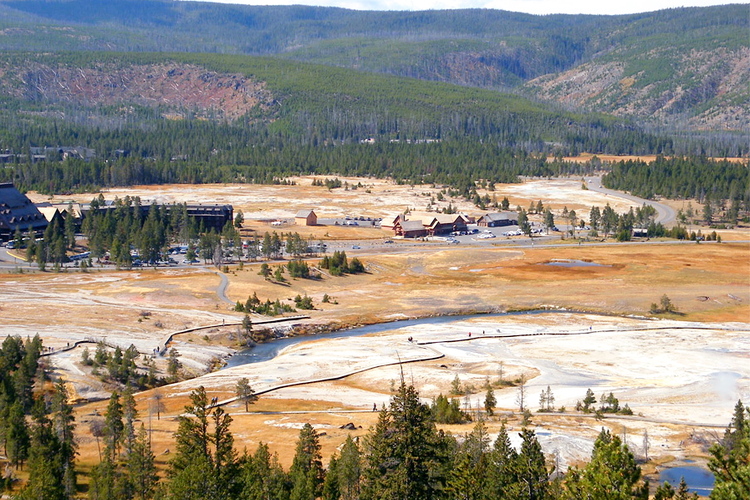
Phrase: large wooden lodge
(416,226)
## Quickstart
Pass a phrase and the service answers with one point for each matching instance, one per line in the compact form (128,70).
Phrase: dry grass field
(709,284)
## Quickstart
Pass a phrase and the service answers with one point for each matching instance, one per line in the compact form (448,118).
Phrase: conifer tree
(63,421)
(245,393)
(349,470)
(113,427)
(205,463)
(469,472)
(404,454)
(141,467)
(262,477)
(501,471)
(730,459)
(306,472)
(331,489)
(46,470)
(17,439)
(129,414)
(612,473)
(533,476)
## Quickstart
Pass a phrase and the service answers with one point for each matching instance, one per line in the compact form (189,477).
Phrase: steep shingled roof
(17,211)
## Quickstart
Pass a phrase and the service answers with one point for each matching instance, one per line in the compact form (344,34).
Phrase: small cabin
(306,218)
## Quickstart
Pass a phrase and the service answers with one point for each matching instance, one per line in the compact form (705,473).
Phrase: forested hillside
(198,118)
(684,67)
(295,103)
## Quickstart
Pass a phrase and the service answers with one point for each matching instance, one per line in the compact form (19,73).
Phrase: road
(221,290)
(664,214)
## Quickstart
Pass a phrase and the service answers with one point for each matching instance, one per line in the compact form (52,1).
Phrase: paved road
(221,290)
(664,214)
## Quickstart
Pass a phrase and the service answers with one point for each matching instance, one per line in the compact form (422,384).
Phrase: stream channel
(269,350)
(699,480)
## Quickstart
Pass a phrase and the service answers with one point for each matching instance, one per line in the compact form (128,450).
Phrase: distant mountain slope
(170,86)
(300,103)
(701,83)
(681,67)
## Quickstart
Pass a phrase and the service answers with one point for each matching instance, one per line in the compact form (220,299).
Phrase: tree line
(696,177)
(36,423)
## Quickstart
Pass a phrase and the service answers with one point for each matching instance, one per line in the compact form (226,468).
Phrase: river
(269,350)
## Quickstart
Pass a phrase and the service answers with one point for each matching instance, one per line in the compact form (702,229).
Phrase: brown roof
(412,225)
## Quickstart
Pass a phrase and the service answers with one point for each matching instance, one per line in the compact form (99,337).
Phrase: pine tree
(403,455)
(262,477)
(104,478)
(113,427)
(468,474)
(331,487)
(683,493)
(245,393)
(141,467)
(17,439)
(730,459)
(129,414)
(464,481)
(612,473)
(501,471)
(205,463)
(46,471)
(531,468)
(490,401)
(349,470)
(63,421)
(307,473)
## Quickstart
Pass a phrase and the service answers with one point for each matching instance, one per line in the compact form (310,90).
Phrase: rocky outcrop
(176,89)
(703,89)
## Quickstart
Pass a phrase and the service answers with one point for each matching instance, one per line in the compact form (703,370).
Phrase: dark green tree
(467,477)
(262,477)
(205,463)
(730,459)
(501,471)
(403,453)
(612,473)
(349,470)
(523,222)
(17,439)
(490,401)
(45,466)
(306,473)
(531,469)
(549,219)
(64,425)
(239,219)
(113,427)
